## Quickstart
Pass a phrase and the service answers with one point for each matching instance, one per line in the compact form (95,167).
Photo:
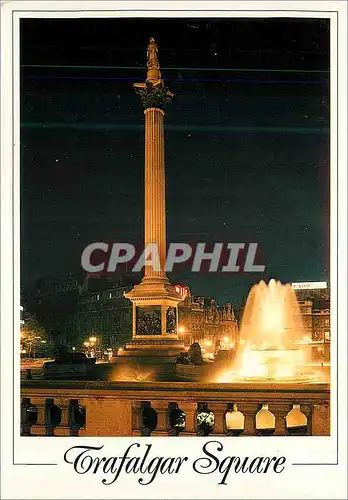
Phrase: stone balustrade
(80,408)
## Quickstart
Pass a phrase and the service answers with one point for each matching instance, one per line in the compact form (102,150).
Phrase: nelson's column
(155,300)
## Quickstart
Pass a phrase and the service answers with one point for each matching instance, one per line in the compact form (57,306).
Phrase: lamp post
(86,344)
(181,332)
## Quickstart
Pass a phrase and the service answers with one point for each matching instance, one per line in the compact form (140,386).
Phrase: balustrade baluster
(219,424)
(49,426)
(321,420)
(136,417)
(190,410)
(25,426)
(249,411)
(307,410)
(64,428)
(39,429)
(249,423)
(280,411)
(162,418)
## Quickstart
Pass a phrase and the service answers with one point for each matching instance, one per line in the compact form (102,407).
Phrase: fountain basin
(273,365)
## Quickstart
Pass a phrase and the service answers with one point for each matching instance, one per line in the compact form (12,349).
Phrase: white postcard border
(18,451)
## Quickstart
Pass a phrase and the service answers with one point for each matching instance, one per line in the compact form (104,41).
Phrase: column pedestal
(155,324)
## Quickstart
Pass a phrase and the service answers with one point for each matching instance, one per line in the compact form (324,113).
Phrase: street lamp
(93,342)
(182,331)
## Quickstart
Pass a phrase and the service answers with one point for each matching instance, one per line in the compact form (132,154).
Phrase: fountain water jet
(270,332)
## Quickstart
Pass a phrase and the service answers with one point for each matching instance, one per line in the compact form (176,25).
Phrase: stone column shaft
(155,215)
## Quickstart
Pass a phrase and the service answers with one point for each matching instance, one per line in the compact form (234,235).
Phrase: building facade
(314,303)
(306,311)
(75,310)
(203,320)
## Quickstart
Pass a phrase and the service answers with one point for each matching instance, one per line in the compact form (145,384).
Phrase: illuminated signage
(310,285)
(181,290)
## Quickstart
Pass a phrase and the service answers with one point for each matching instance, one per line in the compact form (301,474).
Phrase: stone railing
(80,408)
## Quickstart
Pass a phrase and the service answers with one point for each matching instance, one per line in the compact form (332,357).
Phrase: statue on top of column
(152,51)
(153,92)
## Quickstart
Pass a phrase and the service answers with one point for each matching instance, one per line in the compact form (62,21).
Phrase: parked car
(69,366)
(74,358)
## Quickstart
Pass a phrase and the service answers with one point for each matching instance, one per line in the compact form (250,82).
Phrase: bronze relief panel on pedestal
(148,320)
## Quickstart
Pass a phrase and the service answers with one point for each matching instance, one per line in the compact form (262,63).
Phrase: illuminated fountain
(270,337)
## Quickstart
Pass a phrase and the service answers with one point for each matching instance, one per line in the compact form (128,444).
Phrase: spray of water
(270,335)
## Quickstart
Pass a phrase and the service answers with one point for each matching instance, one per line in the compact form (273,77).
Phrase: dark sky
(247,141)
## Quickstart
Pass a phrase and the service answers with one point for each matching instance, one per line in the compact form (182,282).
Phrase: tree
(33,335)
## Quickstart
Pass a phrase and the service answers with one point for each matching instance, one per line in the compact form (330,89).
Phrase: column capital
(153,95)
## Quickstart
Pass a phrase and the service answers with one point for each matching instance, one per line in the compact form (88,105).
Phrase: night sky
(247,142)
